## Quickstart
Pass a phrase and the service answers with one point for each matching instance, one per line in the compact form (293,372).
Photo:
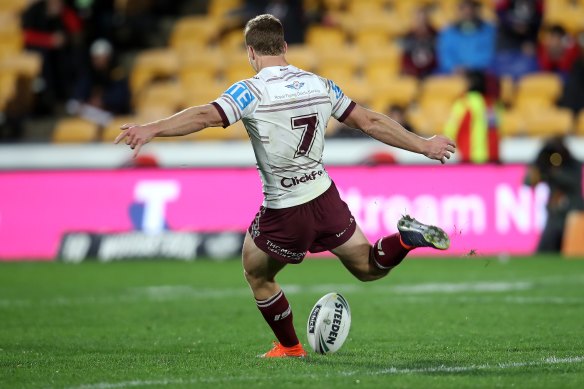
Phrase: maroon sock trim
(388,252)
(278,314)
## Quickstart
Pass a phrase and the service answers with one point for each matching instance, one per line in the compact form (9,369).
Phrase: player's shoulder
(250,86)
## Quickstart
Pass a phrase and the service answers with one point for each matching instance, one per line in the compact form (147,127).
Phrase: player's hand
(439,148)
(135,136)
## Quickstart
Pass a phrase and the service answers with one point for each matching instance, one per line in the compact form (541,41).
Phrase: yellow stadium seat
(545,85)
(74,130)
(512,123)
(301,56)
(26,64)
(507,87)
(365,8)
(10,44)
(208,61)
(573,244)
(198,31)
(389,24)
(549,122)
(151,65)
(196,78)
(580,124)
(331,5)
(400,91)
(382,72)
(166,96)
(446,88)
(381,62)
(371,39)
(325,38)
(13,6)
(235,73)
(233,41)
(340,73)
(112,130)
(430,120)
(358,90)
(219,8)
(532,104)
(569,15)
(199,96)
(348,55)
(7,87)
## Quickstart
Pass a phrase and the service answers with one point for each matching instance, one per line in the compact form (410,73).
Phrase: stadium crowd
(476,54)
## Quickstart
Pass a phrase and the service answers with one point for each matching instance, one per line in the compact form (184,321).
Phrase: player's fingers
(451,148)
(443,160)
(122,135)
(137,149)
(127,125)
(447,155)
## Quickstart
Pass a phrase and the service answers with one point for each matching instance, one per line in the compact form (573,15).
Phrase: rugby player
(285,111)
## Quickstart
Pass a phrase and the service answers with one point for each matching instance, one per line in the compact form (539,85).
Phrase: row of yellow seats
(550,122)
(547,121)
(76,130)
(377,89)
(378,92)
(197,66)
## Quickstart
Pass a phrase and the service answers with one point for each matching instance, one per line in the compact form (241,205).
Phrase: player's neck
(265,61)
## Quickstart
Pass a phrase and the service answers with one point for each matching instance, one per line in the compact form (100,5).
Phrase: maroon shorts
(319,225)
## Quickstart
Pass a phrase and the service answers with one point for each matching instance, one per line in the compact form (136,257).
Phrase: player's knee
(254,279)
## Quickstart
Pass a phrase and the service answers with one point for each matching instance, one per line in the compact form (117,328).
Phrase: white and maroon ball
(329,323)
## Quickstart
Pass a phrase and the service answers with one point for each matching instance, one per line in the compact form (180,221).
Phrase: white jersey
(285,111)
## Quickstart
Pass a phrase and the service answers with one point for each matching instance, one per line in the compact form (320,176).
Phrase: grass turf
(432,323)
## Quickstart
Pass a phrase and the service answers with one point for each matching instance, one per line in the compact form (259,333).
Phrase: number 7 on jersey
(308,124)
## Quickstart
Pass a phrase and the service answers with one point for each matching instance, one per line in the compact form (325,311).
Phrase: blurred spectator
(517,33)
(558,51)
(290,13)
(573,94)
(519,23)
(54,29)
(102,89)
(472,123)
(467,44)
(419,45)
(556,166)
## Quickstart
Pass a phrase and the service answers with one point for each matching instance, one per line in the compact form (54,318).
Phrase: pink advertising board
(484,208)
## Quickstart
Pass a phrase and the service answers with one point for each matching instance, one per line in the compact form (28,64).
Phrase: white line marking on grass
(162,293)
(461,287)
(499,366)
(389,371)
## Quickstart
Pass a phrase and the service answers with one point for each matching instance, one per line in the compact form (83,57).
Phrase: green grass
(430,324)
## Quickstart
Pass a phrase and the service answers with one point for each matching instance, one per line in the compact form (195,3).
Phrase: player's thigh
(257,265)
(354,254)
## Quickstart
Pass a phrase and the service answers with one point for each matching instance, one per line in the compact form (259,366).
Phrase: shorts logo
(286,253)
(241,94)
(345,230)
(307,177)
(295,85)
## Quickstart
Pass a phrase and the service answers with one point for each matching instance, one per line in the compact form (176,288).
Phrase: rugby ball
(328,324)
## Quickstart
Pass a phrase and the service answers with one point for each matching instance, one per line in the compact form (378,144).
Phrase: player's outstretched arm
(388,131)
(190,120)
